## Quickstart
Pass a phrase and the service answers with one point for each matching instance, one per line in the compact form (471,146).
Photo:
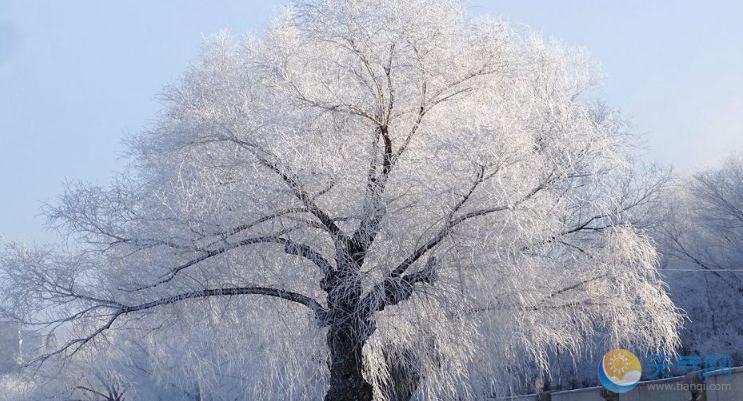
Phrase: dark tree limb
(117,310)
(455,221)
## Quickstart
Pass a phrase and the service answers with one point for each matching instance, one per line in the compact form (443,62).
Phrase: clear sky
(78,76)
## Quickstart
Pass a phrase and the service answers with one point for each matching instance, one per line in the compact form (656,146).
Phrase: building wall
(9,347)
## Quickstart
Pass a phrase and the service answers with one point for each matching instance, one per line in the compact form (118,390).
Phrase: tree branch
(453,222)
(394,290)
(307,200)
(118,311)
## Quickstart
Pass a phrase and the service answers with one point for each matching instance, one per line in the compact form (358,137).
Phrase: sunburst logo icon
(619,370)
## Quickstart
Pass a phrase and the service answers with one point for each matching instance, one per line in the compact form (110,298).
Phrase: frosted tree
(706,228)
(702,246)
(373,200)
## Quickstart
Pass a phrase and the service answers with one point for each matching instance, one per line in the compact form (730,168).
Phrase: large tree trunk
(346,364)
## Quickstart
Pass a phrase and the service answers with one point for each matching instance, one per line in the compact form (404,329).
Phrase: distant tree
(103,388)
(373,192)
(702,245)
(706,228)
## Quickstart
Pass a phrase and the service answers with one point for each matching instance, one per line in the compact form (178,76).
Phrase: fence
(684,388)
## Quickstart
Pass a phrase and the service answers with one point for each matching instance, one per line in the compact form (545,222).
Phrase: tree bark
(347,383)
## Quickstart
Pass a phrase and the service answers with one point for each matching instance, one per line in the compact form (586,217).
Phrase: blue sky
(78,76)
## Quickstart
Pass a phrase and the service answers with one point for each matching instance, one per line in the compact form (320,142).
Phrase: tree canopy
(370,187)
